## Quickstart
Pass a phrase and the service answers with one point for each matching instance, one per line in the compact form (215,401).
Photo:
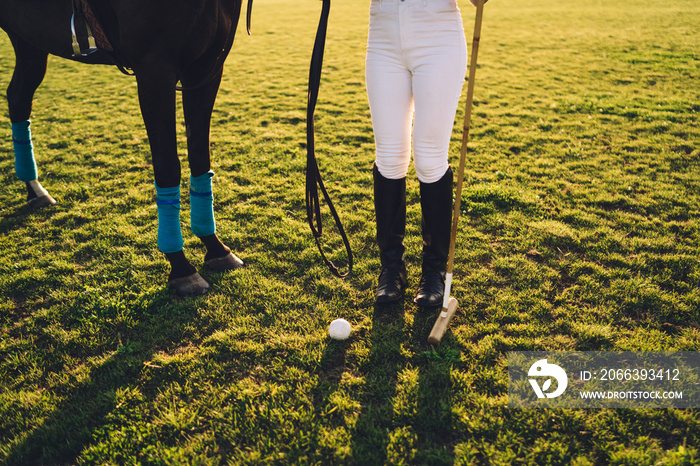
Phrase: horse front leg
(30,69)
(198,104)
(156,90)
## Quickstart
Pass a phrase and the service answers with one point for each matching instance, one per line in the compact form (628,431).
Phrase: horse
(163,43)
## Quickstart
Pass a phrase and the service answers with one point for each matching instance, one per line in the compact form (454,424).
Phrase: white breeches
(415,67)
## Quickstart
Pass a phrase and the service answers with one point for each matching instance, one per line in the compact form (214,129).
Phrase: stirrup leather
(92,46)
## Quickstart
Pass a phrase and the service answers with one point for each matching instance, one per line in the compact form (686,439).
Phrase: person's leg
(391,105)
(389,90)
(390,211)
(440,62)
(436,205)
(438,57)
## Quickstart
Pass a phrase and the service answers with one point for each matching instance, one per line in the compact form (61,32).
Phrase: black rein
(313,176)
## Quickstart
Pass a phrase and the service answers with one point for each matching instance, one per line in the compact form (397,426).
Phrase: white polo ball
(339,329)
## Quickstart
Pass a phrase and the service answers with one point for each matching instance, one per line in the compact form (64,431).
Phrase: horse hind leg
(30,69)
(198,103)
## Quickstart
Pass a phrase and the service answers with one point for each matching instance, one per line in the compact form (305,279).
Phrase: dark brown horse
(164,42)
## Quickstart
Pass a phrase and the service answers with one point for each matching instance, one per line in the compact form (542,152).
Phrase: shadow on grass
(423,435)
(370,438)
(63,435)
(22,215)
(86,403)
(331,369)
(433,421)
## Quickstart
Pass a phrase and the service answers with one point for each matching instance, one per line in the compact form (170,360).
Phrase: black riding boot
(436,204)
(390,209)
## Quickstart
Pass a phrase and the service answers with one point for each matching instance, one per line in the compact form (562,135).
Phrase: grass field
(579,232)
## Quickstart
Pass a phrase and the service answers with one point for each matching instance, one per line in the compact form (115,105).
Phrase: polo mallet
(450,304)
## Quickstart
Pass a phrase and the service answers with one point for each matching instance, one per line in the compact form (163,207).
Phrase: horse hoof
(193,285)
(41,201)
(224,264)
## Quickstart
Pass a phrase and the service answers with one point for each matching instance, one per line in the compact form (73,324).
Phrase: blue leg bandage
(169,233)
(202,205)
(25,165)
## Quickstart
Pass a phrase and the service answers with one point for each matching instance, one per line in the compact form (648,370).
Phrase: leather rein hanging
(313,176)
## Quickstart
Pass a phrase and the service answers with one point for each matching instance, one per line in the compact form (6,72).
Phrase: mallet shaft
(450,304)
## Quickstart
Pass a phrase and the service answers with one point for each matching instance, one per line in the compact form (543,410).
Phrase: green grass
(579,232)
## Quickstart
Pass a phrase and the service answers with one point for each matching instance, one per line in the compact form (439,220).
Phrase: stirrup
(77,51)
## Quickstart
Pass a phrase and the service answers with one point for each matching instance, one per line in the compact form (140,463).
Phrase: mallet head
(443,321)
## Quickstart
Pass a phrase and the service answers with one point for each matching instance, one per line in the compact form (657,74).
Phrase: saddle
(98,40)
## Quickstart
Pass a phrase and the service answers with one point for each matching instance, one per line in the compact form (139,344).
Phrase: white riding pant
(414,70)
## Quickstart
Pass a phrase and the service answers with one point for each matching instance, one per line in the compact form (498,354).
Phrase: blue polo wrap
(202,205)
(169,233)
(25,165)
